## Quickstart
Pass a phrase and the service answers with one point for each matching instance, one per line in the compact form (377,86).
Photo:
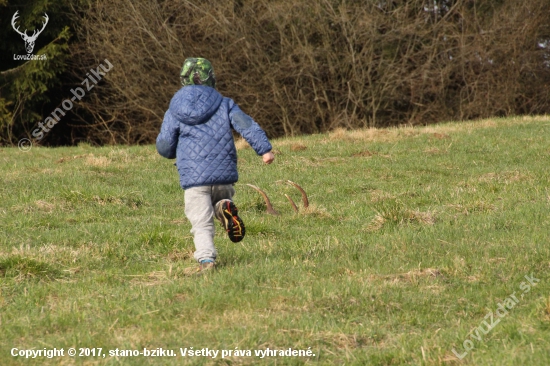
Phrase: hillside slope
(413,237)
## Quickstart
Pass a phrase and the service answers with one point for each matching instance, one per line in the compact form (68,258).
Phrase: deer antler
(292,203)
(34,34)
(15,16)
(270,209)
(305,201)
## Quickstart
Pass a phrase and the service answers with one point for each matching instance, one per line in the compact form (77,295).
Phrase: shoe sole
(232,222)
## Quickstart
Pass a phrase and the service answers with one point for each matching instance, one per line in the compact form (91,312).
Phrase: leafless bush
(313,66)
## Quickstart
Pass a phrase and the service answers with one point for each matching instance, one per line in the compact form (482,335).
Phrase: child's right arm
(268,157)
(167,140)
(251,131)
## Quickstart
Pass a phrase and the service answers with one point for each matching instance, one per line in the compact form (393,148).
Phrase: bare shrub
(314,66)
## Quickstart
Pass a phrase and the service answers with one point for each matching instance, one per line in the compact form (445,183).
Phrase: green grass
(413,235)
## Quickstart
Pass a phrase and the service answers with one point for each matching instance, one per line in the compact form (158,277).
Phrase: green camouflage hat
(197,71)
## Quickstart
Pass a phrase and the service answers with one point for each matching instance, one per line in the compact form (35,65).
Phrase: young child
(197,132)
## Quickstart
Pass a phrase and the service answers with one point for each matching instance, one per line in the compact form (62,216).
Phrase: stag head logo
(29,40)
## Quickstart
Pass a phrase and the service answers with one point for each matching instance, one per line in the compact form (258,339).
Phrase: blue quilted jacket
(197,132)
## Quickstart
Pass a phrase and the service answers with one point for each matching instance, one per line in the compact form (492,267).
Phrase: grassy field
(414,240)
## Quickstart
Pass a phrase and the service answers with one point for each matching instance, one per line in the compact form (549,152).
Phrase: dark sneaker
(229,217)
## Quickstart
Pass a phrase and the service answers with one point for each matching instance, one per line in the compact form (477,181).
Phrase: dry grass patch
(44,206)
(542,117)
(103,201)
(97,161)
(68,158)
(426,218)
(298,147)
(432,150)
(178,255)
(472,279)
(282,304)
(310,162)
(133,337)
(411,276)
(241,144)
(338,340)
(376,224)
(436,289)
(365,153)
(41,206)
(409,216)
(463,187)
(123,156)
(370,134)
(436,131)
(462,126)
(546,309)
(316,211)
(283,142)
(154,278)
(55,253)
(302,161)
(506,177)
(189,271)
(377,195)
(207,321)
(440,136)
(115,155)
(478,206)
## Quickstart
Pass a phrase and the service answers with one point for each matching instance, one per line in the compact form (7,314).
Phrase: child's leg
(226,211)
(199,211)
(222,192)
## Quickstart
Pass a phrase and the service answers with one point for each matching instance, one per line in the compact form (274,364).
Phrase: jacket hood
(195,104)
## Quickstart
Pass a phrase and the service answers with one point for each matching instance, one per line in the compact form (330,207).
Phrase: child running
(197,132)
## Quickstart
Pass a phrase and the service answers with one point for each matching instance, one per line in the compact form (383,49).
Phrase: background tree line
(296,67)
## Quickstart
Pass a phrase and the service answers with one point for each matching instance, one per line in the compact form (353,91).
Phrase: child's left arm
(167,140)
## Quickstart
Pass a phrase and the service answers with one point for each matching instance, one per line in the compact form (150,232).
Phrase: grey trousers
(200,207)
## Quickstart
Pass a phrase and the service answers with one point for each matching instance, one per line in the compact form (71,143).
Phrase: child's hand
(268,157)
